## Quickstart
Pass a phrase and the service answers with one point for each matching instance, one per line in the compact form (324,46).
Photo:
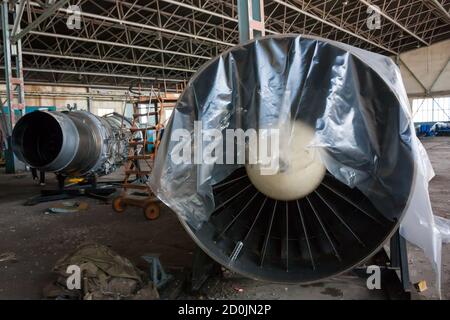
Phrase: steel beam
(47,13)
(143,26)
(117,44)
(439,76)
(385,15)
(441,8)
(244,27)
(19,59)
(96,27)
(10,159)
(100,74)
(331,24)
(8,66)
(87,85)
(413,75)
(251,19)
(20,7)
(116,27)
(126,63)
(194,8)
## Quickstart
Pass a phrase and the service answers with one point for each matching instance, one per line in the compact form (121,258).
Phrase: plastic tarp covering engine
(354,102)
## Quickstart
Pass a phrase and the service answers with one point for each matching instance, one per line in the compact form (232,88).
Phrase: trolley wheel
(151,211)
(119,205)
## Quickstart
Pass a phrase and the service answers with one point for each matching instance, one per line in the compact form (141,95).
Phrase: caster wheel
(151,212)
(118,205)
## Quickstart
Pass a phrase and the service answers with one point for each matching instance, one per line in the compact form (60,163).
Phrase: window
(143,109)
(167,114)
(104,111)
(129,111)
(431,110)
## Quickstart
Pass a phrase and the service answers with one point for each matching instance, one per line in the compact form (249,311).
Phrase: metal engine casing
(76,143)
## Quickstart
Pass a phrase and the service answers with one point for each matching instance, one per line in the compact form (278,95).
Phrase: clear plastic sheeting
(443,226)
(353,99)
(420,226)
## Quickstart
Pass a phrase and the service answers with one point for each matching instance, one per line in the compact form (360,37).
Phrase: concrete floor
(438,149)
(39,240)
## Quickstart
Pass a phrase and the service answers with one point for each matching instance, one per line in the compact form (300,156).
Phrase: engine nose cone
(298,170)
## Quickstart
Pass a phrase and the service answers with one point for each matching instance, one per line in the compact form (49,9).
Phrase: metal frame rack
(137,192)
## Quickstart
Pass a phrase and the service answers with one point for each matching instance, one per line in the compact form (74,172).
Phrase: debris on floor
(75,180)
(67,207)
(105,275)
(21,175)
(421,286)
(156,271)
(240,290)
(8,257)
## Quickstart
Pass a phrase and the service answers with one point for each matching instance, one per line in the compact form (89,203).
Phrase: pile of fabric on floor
(95,272)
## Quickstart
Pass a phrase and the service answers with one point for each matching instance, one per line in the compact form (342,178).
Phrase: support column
(14,82)
(8,67)
(89,100)
(251,26)
(251,19)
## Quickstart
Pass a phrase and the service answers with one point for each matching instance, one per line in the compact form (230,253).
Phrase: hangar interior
(92,90)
